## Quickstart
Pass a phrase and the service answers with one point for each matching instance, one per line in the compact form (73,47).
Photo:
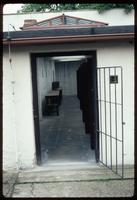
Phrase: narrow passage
(63,137)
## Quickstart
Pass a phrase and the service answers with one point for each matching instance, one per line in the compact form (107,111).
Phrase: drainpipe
(9,38)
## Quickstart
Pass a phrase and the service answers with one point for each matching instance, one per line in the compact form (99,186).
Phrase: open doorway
(68,135)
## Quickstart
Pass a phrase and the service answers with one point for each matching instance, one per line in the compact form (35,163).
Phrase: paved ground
(75,189)
(96,182)
(63,137)
(9,179)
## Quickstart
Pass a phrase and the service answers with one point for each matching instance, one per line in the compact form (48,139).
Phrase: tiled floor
(63,137)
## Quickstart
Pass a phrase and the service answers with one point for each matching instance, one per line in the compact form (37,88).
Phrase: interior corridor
(63,137)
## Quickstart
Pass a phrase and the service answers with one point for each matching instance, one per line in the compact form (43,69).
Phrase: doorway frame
(33,57)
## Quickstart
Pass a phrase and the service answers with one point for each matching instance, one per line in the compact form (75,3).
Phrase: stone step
(64,175)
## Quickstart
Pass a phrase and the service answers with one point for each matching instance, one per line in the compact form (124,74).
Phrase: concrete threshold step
(71,175)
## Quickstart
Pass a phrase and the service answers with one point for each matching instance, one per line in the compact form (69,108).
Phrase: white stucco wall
(113,17)
(123,56)
(19,141)
(18,124)
(9,130)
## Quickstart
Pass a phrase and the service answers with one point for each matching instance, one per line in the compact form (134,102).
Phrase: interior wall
(45,77)
(66,75)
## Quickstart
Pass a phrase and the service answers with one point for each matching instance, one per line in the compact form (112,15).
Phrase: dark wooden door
(93,105)
(87,94)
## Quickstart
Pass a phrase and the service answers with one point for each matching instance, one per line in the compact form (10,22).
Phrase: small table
(52,101)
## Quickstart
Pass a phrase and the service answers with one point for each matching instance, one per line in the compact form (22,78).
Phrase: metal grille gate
(110,118)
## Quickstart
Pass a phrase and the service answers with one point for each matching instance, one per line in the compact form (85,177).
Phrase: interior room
(65,117)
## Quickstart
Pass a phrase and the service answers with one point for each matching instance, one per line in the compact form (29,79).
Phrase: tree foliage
(101,7)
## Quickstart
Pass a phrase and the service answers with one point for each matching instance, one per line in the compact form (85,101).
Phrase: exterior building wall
(19,140)
(114,17)
(123,56)
(18,132)
(9,130)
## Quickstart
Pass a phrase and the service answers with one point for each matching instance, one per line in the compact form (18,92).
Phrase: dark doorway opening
(85,99)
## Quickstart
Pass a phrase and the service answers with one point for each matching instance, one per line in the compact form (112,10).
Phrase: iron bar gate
(110,118)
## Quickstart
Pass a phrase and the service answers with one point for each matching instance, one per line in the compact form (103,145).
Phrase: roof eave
(66,39)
